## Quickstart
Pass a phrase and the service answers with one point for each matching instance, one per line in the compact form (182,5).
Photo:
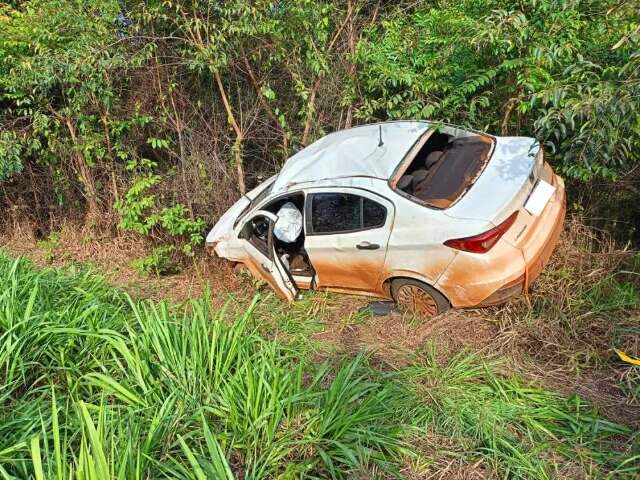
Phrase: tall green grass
(517,429)
(96,385)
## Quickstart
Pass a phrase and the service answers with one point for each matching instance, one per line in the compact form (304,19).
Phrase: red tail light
(483,242)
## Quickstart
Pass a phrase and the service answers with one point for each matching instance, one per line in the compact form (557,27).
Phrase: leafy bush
(546,68)
(158,262)
(10,150)
(140,213)
(49,245)
(218,94)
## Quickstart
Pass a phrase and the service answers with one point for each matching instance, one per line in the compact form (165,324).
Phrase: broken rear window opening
(443,168)
(343,212)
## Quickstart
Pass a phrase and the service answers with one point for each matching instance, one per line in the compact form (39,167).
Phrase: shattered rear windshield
(444,168)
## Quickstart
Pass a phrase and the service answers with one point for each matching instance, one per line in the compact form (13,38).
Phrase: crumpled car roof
(352,153)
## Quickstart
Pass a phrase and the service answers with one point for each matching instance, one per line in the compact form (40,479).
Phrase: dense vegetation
(142,121)
(154,116)
(96,385)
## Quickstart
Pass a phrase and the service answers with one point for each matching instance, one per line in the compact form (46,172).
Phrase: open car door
(256,237)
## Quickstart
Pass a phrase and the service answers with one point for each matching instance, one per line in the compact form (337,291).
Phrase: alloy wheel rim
(417,300)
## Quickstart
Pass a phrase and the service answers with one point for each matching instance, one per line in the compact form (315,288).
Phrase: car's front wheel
(419,298)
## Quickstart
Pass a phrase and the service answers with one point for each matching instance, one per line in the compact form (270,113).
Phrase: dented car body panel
(338,261)
(390,233)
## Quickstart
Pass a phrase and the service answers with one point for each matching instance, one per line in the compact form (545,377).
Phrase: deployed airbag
(289,223)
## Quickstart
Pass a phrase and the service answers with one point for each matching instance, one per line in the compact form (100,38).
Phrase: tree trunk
(310,111)
(511,104)
(86,177)
(352,66)
(237,146)
(179,125)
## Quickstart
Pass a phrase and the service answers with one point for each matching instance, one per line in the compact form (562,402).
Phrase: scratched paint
(472,278)
(411,243)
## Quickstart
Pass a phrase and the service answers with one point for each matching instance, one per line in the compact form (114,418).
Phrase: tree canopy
(164,111)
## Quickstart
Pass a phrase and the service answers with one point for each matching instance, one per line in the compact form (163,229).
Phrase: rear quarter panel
(416,245)
(473,277)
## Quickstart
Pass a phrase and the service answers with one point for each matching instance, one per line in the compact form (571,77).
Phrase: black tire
(418,297)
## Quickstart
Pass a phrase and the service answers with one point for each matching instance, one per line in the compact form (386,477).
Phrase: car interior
(444,168)
(293,255)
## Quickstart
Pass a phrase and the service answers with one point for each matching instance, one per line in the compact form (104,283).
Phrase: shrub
(158,262)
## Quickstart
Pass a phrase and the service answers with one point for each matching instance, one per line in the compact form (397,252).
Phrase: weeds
(522,431)
(49,246)
(158,262)
(97,385)
(585,304)
(294,325)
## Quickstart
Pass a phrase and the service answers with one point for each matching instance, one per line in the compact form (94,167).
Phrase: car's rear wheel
(419,298)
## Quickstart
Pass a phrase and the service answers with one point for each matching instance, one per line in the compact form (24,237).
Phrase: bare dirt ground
(393,340)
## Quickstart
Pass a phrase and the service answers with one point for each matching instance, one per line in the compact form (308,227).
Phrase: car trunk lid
(504,185)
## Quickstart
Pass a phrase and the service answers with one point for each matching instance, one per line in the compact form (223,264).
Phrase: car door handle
(367,246)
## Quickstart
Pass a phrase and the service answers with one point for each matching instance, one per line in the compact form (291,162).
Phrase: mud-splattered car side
(427,214)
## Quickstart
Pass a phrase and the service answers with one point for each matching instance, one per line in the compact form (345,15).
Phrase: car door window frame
(251,236)
(271,256)
(271,198)
(309,217)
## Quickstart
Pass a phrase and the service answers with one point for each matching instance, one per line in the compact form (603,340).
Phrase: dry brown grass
(564,333)
(553,337)
(442,457)
(394,339)
(111,256)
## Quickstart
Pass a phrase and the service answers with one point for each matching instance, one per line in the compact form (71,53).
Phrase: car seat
(405,182)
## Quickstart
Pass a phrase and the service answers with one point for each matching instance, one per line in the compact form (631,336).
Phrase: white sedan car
(427,214)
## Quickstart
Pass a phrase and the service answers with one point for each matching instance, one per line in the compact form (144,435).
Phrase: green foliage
(424,65)
(49,245)
(547,68)
(140,213)
(54,74)
(137,201)
(10,151)
(62,72)
(97,385)
(209,94)
(592,117)
(158,262)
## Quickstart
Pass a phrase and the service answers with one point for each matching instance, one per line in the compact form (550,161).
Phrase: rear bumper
(538,252)
(507,270)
